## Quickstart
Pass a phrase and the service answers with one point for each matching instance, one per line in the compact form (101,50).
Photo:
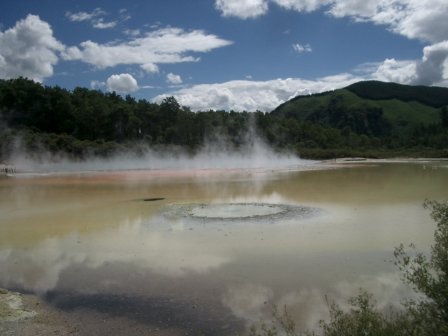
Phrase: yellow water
(89,241)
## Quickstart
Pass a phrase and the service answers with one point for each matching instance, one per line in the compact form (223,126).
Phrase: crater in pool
(233,212)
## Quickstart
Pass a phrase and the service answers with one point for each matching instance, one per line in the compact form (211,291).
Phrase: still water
(106,247)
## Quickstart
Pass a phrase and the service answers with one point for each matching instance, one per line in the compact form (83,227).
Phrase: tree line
(83,121)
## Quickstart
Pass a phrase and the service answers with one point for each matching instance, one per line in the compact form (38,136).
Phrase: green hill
(365,119)
(374,90)
(372,107)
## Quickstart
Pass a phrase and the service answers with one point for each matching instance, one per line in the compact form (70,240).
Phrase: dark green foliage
(320,126)
(426,317)
(444,116)
(363,319)
(432,96)
(429,276)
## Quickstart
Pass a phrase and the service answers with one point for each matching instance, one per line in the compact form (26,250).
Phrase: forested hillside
(365,119)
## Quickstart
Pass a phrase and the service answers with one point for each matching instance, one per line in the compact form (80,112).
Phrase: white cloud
(415,19)
(123,83)
(301,5)
(245,95)
(150,67)
(29,49)
(132,32)
(243,9)
(173,79)
(95,18)
(433,69)
(124,15)
(100,24)
(84,16)
(391,70)
(97,85)
(425,20)
(302,48)
(168,45)
(360,10)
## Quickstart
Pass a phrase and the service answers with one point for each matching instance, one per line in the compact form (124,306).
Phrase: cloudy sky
(224,54)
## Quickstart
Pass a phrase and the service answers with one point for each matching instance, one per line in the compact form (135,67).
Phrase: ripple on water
(239,212)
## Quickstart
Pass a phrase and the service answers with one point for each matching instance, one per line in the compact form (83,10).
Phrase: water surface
(91,246)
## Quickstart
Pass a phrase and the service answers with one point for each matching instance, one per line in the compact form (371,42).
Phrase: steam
(218,152)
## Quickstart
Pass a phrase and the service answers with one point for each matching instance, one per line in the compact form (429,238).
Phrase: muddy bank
(24,314)
(30,315)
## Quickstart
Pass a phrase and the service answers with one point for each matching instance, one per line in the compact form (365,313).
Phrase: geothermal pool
(234,213)
(210,251)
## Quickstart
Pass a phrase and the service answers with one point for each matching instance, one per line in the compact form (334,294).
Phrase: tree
(426,317)
(429,276)
(444,116)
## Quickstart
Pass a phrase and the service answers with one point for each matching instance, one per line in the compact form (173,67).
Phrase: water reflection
(86,243)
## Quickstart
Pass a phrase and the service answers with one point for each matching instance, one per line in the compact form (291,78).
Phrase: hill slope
(369,118)
(371,107)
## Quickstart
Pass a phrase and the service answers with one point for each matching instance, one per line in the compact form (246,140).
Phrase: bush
(427,276)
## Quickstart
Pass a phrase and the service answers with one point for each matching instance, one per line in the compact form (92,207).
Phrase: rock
(11,307)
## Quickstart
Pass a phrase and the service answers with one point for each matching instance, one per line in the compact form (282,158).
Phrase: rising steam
(216,153)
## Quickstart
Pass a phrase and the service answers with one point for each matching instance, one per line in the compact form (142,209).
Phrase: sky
(224,54)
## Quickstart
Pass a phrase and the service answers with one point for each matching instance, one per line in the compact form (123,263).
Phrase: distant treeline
(84,122)
(428,95)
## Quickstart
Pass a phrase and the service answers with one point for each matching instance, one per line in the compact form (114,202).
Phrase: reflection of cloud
(164,253)
(308,306)
(248,301)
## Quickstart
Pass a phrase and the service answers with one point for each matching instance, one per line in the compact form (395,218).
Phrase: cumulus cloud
(173,79)
(167,45)
(245,95)
(29,49)
(302,48)
(95,18)
(392,70)
(248,95)
(359,10)
(243,9)
(122,83)
(150,67)
(415,19)
(433,69)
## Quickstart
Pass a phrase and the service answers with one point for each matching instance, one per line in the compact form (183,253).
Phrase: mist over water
(217,153)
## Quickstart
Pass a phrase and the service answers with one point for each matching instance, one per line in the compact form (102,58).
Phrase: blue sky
(224,54)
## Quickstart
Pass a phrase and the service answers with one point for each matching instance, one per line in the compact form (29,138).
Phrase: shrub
(427,276)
